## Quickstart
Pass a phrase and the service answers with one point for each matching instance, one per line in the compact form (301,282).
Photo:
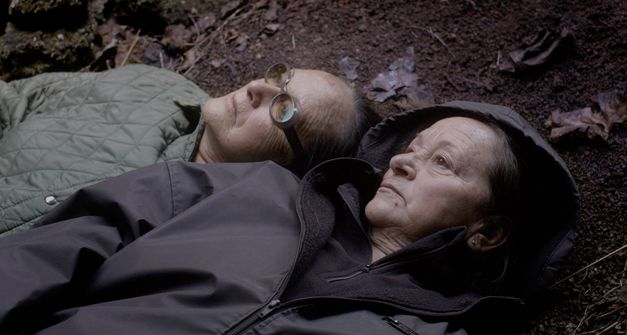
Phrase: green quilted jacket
(62,131)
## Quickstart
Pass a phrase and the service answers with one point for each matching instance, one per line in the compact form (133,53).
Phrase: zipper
(401,259)
(275,305)
(400,326)
(363,270)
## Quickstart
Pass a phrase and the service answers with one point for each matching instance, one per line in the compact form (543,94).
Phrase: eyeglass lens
(282,108)
(277,74)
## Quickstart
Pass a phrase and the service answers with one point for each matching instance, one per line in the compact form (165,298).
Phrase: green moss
(24,54)
(48,14)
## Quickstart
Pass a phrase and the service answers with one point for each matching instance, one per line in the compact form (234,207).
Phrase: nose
(402,165)
(259,92)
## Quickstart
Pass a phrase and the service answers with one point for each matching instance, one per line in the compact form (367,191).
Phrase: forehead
(469,140)
(322,96)
(460,130)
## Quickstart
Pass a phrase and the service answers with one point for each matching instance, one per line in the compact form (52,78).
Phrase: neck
(385,241)
(206,153)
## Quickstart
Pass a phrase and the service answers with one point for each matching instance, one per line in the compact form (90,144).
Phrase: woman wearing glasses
(63,131)
(451,219)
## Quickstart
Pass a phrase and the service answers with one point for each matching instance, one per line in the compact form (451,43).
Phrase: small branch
(128,54)
(211,37)
(589,265)
(433,34)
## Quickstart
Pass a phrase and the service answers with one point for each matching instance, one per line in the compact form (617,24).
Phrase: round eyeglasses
(284,108)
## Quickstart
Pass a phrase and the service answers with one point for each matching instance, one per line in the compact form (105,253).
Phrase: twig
(433,34)
(610,312)
(450,81)
(583,319)
(498,59)
(589,265)
(128,54)
(293,42)
(601,330)
(211,37)
(195,28)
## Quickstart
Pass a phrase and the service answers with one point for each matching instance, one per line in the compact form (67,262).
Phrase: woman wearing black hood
(466,226)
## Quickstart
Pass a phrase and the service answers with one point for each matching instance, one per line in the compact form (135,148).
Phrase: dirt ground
(457,44)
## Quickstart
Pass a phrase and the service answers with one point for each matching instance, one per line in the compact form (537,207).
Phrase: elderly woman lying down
(450,221)
(60,132)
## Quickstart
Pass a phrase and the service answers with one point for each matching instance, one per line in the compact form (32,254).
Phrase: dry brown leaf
(595,121)
(271,28)
(189,58)
(206,21)
(348,67)
(271,13)
(400,81)
(176,38)
(535,52)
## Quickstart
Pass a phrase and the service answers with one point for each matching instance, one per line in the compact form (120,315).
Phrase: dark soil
(456,45)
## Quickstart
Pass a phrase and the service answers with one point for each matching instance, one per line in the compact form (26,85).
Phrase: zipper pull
(269,307)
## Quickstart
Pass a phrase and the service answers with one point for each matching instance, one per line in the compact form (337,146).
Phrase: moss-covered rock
(48,14)
(152,16)
(24,54)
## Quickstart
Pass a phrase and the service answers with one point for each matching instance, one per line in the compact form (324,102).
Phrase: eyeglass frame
(287,125)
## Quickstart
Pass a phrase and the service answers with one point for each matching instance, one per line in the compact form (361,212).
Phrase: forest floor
(458,48)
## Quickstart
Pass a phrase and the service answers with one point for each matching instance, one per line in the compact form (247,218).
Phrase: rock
(24,53)
(48,15)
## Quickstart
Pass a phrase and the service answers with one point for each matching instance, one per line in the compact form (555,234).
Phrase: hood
(549,193)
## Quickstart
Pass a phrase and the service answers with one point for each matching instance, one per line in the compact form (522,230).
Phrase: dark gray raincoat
(184,248)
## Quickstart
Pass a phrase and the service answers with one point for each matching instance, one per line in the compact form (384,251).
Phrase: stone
(48,15)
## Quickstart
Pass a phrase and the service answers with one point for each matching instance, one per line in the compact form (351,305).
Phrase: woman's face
(440,181)
(239,127)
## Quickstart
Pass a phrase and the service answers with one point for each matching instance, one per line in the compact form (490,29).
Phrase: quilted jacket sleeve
(21,97)
(42,269)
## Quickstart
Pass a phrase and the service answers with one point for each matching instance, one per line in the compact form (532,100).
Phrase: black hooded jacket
(250,249)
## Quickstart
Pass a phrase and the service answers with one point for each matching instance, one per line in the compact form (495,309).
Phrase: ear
(487,234)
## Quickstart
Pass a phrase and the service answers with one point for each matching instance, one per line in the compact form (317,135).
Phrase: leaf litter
(596,121)
(536,51)
(400,82)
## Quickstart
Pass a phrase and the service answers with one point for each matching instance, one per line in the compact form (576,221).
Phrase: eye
(441,161)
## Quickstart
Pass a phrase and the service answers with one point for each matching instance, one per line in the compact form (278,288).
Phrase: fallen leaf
(216,63)
(189,57)
(271,28)
(271,13)
(110,30)
(348,67)
(229,8)
(536,52)
(176,38)
(231,35)
(595,121)
(383,86)
(206,21)
(242,43)
(415,97)
(401,82)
